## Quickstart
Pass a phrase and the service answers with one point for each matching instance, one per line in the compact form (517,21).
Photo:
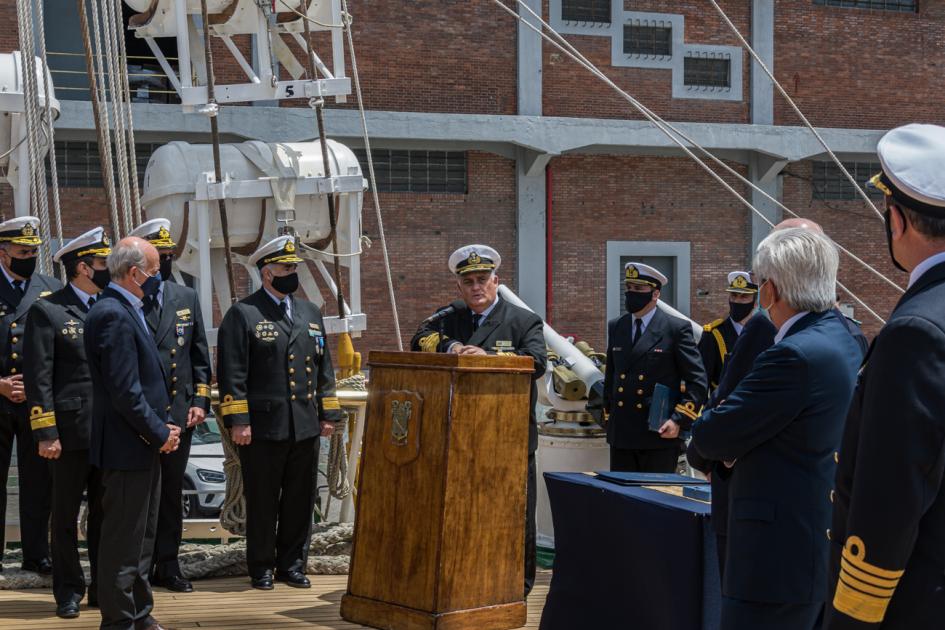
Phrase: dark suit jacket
(715,351)
(889,513)
(667,354)
(186,363)
(757,337)
(780,426)
(14,309)
(854,327)
(57,379)
(508,329)
(275,377)
(129,409)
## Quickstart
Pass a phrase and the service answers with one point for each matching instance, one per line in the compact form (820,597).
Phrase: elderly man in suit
(20,287)
(174,318)
(130,430)
(482,323)
(646,347)
(778,431)
(58,389)
(887,566)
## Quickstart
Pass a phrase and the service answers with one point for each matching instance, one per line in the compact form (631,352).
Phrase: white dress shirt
(82,295)
(925,265)
(646,319)
(135,302)
(786,326)
(278,301)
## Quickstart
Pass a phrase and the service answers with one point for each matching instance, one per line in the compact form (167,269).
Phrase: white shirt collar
(82,295)
(786,326)
(278,301)
(738,327)
(920,269)
(133,299)
(486,312)
(646,319)
(7,275)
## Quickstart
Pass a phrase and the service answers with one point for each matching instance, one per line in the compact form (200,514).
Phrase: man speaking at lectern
(482,323)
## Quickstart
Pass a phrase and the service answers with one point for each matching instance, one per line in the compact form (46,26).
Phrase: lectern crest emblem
(400,411)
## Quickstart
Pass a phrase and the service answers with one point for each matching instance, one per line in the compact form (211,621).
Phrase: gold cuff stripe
(42,420)
(720,340)
(430,342)
(854,552)
(688,410)
(229,406)
(330,403)
(868,578)
(858,605)
(865,587)
(203,390)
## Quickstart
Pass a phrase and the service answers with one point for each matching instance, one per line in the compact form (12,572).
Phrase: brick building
(483,133)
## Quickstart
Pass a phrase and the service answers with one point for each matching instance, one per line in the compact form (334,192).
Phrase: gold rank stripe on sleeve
(228,406)
(202,390)
(864,590)
(430,342)
(330,403)
(40,419)
(688,410)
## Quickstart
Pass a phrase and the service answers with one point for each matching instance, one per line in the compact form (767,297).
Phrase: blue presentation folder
(661,406)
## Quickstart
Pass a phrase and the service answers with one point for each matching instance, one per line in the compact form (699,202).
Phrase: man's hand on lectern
(472,350)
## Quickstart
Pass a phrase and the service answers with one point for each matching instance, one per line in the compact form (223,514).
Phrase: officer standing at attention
(720,336)
(482,323)
(20,286)
(645,346)
(174,319)
(59,393)
(887,535)
(277,395)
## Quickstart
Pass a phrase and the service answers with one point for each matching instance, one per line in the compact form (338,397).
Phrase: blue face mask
(151,286)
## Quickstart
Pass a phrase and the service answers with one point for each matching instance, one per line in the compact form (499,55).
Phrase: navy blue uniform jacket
(781,426)
(130,402)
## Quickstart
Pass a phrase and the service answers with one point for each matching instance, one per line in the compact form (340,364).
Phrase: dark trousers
(35,485)
(129,520)
(278,484)
(721,544)
(662,460)
(739,614)
(170,516)
(73,477)
(531,535)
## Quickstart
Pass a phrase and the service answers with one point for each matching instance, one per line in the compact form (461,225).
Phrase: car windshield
(207,433)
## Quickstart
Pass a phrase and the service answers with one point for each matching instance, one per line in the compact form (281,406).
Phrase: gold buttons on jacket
(15,339)
(620,404)
(173,392)
(833,495)
(307,359)
(173,351)
(639,392)
(639,406)
(291,357)
(641,377)
(14,356)
(13,325)
(836,457)
(291,383)
(291,370)
(308,370)
(620,389)
(173,379)
(12,370)
(293,396)
(623,376)
(173,366)
(828,535)
(309,396)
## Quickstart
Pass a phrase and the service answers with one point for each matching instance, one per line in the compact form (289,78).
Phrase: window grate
(417,171)
(900,6)
(647,40)
(707,72)
(597,11)
(830,184)
(79,165)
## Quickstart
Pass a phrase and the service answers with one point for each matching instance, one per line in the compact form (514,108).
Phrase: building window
(647,40)
(417,171)
(78,164)
(904,6)
(713,72)
(597,11)
(830,184)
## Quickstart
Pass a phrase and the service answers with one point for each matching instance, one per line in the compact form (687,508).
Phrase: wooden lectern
(439,528)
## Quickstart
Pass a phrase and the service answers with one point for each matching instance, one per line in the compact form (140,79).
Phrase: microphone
(443,312)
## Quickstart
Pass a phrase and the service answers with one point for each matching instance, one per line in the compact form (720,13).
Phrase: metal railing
(148,82)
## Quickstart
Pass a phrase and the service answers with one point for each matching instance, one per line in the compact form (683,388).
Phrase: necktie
(152,312)
(18,285)
(88,305)
(638,331)
(477,319)
(284,305)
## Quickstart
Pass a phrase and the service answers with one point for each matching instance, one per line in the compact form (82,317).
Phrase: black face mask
(740,311)
(151,286)
(889,240)
(23,267)
(101,278)
(636,301)
(166,261)
(286,284)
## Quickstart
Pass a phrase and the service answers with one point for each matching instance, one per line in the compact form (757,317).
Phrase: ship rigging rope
(129,124)
(111,32)
(372,181)
(48,130)
(671,132)
(797,110)
(663,125)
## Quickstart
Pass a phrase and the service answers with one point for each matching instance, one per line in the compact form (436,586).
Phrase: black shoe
(43,567)
(69,610)
(174,583)
(263,582)
(295,579)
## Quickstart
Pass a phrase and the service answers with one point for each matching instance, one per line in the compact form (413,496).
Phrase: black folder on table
(648,479)
(661,406)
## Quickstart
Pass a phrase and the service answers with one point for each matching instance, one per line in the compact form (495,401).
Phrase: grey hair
(803,265)
(124,257)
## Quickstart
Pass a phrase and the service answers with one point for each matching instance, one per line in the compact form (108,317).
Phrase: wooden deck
(222,604)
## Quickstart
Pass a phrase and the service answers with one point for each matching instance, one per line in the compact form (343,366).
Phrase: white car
(204,479)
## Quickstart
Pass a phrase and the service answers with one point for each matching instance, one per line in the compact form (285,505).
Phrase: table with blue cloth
(629,557)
